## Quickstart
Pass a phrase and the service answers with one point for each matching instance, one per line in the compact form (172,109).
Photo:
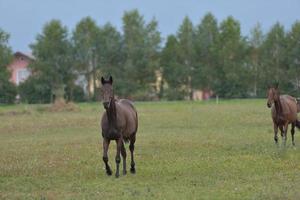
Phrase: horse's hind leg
(293,132)
(131,147)
(123,153)
(105,156)
(285,133)
(275,133)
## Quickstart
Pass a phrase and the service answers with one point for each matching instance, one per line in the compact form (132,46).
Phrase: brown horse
(120,123)
(284,112)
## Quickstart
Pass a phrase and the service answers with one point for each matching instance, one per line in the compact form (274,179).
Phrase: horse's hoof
(108,172)
(124,172)
(117,175)
(132,170)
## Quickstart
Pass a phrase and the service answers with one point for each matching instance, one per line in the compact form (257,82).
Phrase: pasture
(184,150)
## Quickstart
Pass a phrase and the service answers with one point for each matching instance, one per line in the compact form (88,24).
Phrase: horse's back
(127,103)
(289,98)
(130,114)
(289,103)
(292,102)
(289,107)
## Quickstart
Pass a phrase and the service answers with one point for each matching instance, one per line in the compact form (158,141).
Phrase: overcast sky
(24,19)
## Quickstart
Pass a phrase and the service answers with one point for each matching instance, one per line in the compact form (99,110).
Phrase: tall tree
(52,50)
(274,63)
(7,89)
(111,55)
(172,71)
(232,73)
(141,45)
(186,41)
(85,44)
(293,56)
(5,51)
(206,44)
(255,42)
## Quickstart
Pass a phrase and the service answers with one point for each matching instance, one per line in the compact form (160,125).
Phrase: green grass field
(184,150)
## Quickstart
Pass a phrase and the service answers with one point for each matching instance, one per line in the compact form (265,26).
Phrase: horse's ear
(110,80)
(276,85)
(102,80)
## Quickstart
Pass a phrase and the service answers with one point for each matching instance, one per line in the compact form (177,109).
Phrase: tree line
(209,56)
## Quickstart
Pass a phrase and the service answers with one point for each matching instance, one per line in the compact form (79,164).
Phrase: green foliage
(206,47)
(86,43)
(186,48)
(173,72)
(274,66)
(141,45)
(52,50)
(35,90)
(255,59)
(5,53)
(293,58)
(232,73)
(111,57)
(74,93)
(208,56)
(7,89)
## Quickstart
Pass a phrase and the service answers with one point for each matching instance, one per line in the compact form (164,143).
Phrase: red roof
(28,55)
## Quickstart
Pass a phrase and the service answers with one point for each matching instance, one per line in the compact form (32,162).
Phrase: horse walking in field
(120,123)
(284,112)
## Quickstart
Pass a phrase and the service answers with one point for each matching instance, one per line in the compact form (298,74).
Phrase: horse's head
(273,95)
(107,92)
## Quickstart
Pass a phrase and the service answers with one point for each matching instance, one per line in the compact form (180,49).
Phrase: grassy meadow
(184,150)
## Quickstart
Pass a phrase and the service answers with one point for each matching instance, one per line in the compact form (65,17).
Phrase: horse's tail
(297,124)
(298,104)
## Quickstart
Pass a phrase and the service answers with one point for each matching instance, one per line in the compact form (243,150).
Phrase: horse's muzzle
(106,105)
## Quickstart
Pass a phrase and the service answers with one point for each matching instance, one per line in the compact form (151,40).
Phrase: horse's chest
(113,131)
(111,134)
(280,120)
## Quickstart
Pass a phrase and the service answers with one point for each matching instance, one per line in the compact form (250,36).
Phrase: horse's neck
(112,114)
(278,106)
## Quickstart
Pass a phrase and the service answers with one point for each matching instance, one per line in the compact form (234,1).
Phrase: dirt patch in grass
(61,106)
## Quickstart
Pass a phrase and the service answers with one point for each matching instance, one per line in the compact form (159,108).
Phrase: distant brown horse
(284,112)
(120,123)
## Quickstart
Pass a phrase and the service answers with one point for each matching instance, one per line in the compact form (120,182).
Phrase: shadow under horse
(120,123)
(284,110)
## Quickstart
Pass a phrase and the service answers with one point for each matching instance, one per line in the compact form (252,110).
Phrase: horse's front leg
(293,133)
(105,156)
(118,157)
(275,126)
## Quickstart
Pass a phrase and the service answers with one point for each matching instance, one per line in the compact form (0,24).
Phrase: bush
(8,91)
(75,94)
(35,90)
(174,94)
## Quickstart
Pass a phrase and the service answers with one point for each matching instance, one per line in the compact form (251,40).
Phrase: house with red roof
(19,67)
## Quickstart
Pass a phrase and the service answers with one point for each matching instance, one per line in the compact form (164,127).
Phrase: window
(22,75)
